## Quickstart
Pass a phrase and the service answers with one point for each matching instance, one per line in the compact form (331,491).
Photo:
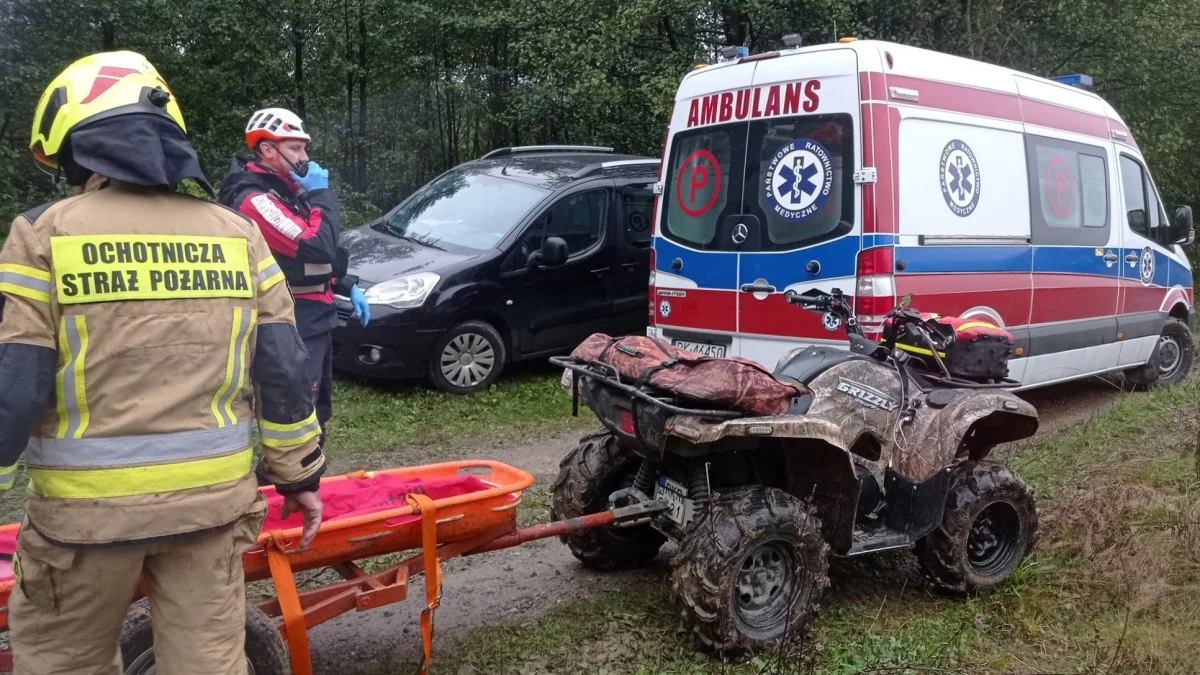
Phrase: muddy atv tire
(1171,361)
(265,653)
(749,574)
(989,525)
(596,468)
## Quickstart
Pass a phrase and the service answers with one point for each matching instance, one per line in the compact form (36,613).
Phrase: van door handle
(600,271)
(1132,258)
(1110,257)
(630,265)
(759,286)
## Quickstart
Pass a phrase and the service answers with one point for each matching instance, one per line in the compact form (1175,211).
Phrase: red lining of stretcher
(342,499)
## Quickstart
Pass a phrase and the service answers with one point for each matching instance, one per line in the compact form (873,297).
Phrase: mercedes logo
(740,233)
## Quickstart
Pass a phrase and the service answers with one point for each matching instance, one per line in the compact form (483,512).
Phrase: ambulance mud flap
(915,507)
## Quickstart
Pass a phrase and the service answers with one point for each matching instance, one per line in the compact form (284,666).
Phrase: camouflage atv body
(872,457)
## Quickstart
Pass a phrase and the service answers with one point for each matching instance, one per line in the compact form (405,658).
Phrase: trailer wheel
(989,524)
(1171,360)
(749,575)
(265,653)
(596,468)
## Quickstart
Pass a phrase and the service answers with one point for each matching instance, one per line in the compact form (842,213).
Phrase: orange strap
(433,572)
(294,626)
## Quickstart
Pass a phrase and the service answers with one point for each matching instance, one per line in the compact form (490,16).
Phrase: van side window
(577,219)
(1134,185)
(637,212)
(1143,211)
(1068,187)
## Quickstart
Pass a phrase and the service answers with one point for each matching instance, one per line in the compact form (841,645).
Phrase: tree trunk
(108,35)
(361,172)
(298,46)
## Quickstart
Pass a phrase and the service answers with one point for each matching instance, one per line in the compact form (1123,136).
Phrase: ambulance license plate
(701,348)
(674,496)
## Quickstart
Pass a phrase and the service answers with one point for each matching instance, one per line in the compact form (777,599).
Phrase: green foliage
(397,91)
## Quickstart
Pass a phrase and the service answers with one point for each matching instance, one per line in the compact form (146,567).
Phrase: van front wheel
(468,358)
(1172,358)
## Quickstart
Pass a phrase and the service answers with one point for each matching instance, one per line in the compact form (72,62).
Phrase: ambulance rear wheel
(1171,361)
(265,653)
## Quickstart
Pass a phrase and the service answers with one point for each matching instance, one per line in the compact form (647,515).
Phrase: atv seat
(804,365)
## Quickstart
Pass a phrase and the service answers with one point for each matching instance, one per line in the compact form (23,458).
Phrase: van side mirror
(1137,220)
(1183,226)
(554,252)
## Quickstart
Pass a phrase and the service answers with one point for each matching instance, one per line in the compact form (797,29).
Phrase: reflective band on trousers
(125,451)
(8,475)
(301,290)
(71,390)
(283,435)
(25,281)
(139,480)
(235,367)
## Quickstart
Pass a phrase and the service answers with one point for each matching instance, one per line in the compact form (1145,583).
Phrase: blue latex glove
(316,178)
(361,307)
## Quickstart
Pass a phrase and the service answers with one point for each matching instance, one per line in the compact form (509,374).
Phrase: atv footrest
(871,541)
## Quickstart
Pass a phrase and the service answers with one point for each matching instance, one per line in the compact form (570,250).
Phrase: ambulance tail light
(653,292)
(875,294)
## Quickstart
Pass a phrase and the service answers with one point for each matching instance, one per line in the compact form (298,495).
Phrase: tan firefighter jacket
(166,315)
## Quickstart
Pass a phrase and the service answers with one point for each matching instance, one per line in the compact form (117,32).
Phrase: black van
(518,255)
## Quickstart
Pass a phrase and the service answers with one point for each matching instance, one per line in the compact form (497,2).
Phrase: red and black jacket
(303,231)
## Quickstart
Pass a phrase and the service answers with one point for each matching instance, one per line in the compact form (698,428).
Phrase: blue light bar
(1077,80)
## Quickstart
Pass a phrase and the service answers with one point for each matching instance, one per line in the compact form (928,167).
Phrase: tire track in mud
(521,583)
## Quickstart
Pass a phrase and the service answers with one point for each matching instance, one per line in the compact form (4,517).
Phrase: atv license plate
(701,348)
(674,496)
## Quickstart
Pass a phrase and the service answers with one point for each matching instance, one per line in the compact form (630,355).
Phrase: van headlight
(409,290)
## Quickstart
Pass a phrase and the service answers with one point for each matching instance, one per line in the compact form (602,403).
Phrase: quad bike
(886,448)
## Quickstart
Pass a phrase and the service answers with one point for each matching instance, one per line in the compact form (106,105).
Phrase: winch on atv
(763,475)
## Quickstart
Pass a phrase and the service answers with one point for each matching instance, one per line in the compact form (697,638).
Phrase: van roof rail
(501,152)
(601,166)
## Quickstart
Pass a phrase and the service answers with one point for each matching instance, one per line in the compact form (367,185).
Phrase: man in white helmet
(288,196)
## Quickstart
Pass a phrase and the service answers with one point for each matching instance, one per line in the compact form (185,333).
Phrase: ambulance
(884,170)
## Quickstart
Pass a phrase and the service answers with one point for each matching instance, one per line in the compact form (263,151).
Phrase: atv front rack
(609,377)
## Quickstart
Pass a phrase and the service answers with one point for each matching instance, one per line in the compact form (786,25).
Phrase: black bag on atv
(969,348)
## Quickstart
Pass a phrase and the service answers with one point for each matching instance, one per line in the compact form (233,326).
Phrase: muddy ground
(519,584)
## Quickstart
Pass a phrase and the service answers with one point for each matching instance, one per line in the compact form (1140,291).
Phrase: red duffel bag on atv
(733,383)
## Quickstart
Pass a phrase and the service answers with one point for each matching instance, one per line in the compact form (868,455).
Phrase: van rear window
(792,174)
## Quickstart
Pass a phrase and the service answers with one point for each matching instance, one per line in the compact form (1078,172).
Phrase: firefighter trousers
(67,610)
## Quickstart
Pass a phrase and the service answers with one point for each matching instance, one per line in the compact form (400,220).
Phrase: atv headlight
(409,290)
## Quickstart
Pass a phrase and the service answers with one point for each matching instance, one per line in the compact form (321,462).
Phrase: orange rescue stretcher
(444,510)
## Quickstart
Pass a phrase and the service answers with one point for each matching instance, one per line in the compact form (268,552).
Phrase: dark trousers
(318,371)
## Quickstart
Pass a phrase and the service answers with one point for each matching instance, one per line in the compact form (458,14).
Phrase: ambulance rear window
(700,182)
(792,174)
(800,184)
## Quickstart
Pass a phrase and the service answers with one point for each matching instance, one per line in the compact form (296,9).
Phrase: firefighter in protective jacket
(140,325)
(288,196)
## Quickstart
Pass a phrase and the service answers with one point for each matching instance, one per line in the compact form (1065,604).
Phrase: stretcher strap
(433,572)
(294,626)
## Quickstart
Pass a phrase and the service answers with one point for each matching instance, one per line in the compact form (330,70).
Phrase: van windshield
(793,174)
(464,209)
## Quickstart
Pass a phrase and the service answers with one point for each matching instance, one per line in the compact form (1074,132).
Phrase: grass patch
(1113,587)
(384,417)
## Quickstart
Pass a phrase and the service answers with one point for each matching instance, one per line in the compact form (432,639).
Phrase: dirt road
(519,584)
